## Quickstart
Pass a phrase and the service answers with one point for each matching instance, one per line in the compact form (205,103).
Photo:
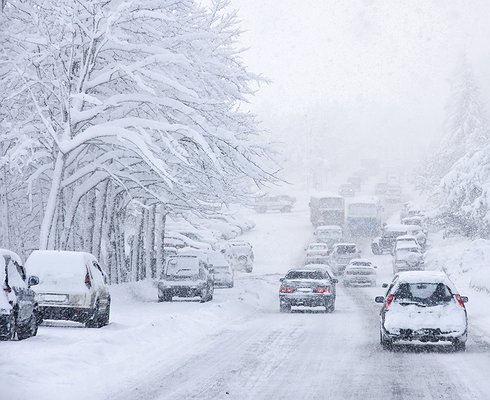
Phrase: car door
(25,296)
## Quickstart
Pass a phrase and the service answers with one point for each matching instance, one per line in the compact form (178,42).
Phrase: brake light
(322,290)
(286,290)
(88,281)
(460,301)
(7,289)
(389,300)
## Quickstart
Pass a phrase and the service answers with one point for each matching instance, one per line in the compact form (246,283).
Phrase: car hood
(448,318)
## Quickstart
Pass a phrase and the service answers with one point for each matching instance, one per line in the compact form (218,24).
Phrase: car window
(97,275)
(426,293)
(304,275)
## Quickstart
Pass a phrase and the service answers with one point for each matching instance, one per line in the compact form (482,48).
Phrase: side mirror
(379,299)
(464,299)
(384,285)
(335,280)
(34,280)
(375,266)
(282,279)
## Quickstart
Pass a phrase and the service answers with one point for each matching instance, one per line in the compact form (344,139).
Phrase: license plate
(304,290)
(55,297)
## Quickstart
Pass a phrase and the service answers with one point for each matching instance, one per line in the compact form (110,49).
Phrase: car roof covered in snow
(318,244)
(405,238)
(329,227)
(424,277)
(360,260)
(396,228)
(363,200)
(344,244)
(323,267)
(12,255)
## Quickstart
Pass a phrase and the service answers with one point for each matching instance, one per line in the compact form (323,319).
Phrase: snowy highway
(239,346)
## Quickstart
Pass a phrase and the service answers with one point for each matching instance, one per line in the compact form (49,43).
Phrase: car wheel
(93,318)
(165,297)
(459,345)
(330,308)
(385,343)
(104,317)
(285,307)
(13,327)
(30,329)
(204,296)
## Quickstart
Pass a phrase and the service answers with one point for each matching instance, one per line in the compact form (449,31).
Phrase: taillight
(389,300)
(88,281)
(7,289)
(321,290)
(460,301)
(286,290)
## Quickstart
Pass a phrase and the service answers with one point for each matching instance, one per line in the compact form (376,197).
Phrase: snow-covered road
(239,346)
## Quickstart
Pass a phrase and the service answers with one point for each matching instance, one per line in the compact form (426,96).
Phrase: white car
(407,257)
(404,240)
(359,272)
(328,234)
(221,268)
(72,286)
(188,242)
(317,253)
(239,254)
(341,255)
(423,307)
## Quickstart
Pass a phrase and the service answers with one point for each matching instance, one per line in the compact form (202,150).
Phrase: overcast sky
(375,73)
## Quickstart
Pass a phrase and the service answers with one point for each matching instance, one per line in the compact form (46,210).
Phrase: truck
(363,217)
(327,209)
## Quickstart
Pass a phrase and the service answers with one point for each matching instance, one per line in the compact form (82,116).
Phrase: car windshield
(429,294)
(330,232)
(331,203)
(346,249)
(304,275)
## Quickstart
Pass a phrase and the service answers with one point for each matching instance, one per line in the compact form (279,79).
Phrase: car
(423,307)
(328,234)
(239,254)
(393,193)
(72,286)
(282,203)
(186,276)
(359,272)
(410,209)
(386,242)
(407,257)
(317,253)
(223,273)
(310,287)
(19,311)
(347,190)
(341,255)
(380,188)
(177,237)
(404,240)
(202,236)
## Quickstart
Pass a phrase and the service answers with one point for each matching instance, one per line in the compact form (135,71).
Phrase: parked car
(310,287)
(72,286)
(341,255)
(282,203)
(239,254)
(328,234)
(19,311)
(176,236)
(317,253)
(407,257)
(186,276)
(347,190)
(360,272)
(223,273)
(380,188)
(404,240)
(423,307)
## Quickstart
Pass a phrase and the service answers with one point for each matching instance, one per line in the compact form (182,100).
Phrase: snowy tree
(114,103)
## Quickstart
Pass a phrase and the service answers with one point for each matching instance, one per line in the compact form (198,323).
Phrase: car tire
(284,307)
(330,308)
(165,297)
(385,343)
(376,250)
(104,317)
(93,318)
(28,330)
(204,296)
(459,346)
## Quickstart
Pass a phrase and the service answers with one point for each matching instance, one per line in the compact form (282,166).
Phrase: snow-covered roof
(406,237)
(344,244)
(318,244)
(397,228)
(329,227)
(363,200)
(12,255)
(424,277)
(360,260)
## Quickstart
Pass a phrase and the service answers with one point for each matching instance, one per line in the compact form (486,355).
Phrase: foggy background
(352,79)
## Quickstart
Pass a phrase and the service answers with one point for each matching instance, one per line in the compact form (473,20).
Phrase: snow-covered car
(404,240)
(341,255)
(200,236)
(393,193)
(407,257)
(380,188)
(423,307)
(328,234)
(176,236)
(185,276)
(225,229)
(223,273)
(386,242)
(72,286)
(282,203)
(317,253)
(347,190)
(19,313)
(359,272)
(239,254)
(310,287)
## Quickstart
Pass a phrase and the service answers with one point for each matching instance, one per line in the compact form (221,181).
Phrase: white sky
(373,73)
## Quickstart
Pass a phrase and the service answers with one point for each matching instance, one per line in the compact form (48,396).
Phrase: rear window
(429,294)
(183,267)
(346,249)
(305,275)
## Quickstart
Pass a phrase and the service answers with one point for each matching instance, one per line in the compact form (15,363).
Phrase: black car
(311,286)
(386,242)
(19,314)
